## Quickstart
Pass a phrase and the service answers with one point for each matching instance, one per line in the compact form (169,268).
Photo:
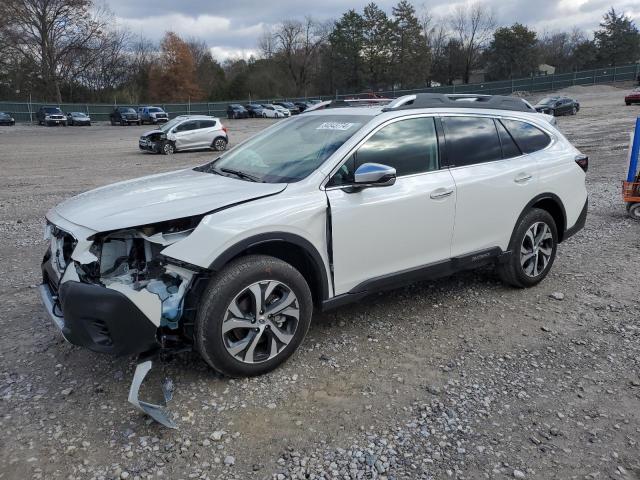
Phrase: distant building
(544,69)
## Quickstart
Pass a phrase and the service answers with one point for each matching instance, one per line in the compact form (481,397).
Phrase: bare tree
(295,45)
(51,34)
(436,37)
(473,25)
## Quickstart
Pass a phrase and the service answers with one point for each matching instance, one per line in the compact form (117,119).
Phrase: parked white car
(186,132)
(274,111)
(317,211)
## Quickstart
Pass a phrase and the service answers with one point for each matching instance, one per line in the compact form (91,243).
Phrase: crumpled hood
(157,198)
(152,132)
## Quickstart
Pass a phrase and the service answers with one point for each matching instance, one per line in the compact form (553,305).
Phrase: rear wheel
(253,316)
(574,110)
(219,144)
(533,249)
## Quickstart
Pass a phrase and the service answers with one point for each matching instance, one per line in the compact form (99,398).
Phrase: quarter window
(529,138)
(410,146)
(207,123)
(471,140)
(509,147)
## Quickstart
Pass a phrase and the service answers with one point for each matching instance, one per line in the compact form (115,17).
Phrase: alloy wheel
(260,321)
(220,144)
(536,249)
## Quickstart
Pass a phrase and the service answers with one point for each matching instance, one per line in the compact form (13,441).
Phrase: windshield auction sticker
(335,126)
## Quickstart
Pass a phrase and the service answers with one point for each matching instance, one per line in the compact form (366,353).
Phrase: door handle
(440,193)
(523,177)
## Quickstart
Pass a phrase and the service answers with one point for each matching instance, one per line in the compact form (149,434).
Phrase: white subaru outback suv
(319,210)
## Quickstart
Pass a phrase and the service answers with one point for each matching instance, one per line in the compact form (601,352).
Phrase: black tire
(219,144)
(122,123)
(628,103)
(223,288)
(113,123)
(574,110)
(512,271)
(168,148)
(633,210)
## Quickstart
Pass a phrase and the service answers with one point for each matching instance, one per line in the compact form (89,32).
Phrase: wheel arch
(552,204)
(288,247)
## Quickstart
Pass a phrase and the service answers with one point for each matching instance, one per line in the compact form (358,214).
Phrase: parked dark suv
(124,116)
(51,116)
(557,106)
(237,111)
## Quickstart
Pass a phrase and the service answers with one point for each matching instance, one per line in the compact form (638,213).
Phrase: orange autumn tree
(173,78)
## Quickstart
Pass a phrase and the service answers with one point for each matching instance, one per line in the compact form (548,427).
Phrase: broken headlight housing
(130,261)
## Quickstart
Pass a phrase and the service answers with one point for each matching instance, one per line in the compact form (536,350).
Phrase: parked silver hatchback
(186,132)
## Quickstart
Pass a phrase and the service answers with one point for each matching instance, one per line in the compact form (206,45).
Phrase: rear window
(471,140)
(529,138)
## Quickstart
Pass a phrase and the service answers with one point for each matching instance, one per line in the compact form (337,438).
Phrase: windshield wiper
(240,174)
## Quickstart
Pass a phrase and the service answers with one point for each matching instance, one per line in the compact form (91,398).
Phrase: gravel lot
(459,378)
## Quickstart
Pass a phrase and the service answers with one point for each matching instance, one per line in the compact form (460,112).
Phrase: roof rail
(442,100)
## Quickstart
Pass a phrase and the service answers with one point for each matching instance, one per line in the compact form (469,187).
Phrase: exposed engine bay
(130,262)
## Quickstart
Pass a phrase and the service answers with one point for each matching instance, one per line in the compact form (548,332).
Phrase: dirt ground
(458,378)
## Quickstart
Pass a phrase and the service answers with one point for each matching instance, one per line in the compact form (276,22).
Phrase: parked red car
(633,97)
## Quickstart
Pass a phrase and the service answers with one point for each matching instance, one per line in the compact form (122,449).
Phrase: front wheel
(168,148)
(253,316)
(533,248)
(574,110)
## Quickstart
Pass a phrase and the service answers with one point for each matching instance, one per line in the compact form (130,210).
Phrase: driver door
(186,134)
(380,231)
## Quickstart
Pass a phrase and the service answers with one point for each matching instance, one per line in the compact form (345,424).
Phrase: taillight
(582,161)
(224,129)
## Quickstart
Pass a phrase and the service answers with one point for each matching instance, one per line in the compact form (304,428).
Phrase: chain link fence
(25,111)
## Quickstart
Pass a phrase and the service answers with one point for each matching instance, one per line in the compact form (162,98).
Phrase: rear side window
(207,123)
(529,138)
(471,140)
(509,147)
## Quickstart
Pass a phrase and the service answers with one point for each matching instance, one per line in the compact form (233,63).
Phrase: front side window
(290,151)
(471,140)
(186,126)
(529,138)
(410,146)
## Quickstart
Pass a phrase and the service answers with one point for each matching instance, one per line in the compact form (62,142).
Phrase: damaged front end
(115,292)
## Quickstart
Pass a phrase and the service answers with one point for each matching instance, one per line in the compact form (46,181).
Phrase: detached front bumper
(97,318)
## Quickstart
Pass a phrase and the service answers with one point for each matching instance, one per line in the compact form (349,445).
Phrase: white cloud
(224,53)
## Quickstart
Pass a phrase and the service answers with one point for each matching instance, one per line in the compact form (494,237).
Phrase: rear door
(494,182)
(206,133)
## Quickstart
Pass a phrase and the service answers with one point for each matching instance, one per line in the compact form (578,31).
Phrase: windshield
(3,115)
(289,152)
(170,124)
(52,110)
(155,110)
(547,101)
(126,110)
(78,114)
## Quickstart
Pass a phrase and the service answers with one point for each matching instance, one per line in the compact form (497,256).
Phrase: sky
(231,28)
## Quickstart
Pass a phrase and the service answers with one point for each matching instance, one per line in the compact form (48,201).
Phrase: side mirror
(374,175)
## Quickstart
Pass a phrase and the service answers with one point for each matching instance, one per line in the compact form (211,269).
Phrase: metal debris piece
(158,412)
